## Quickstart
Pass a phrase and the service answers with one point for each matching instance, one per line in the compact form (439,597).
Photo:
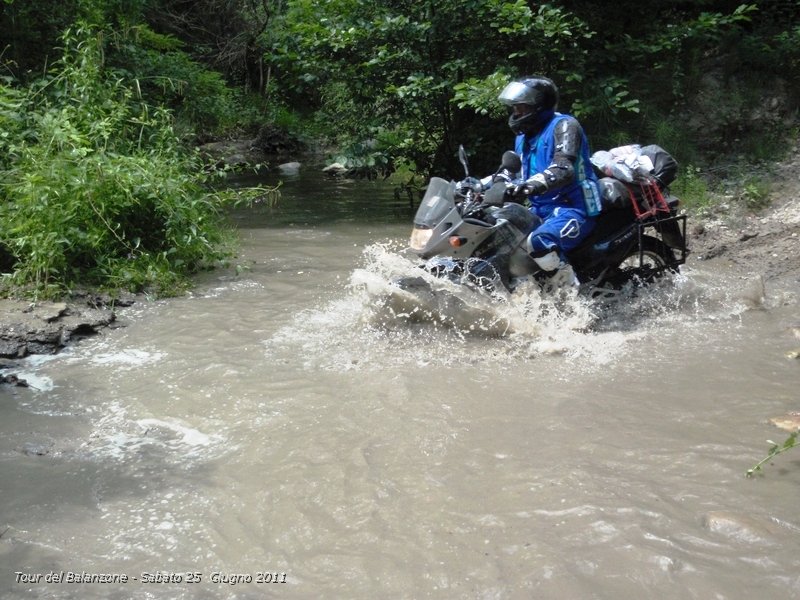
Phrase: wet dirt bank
(48,326)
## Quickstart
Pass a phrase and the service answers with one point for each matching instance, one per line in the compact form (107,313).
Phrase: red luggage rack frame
(652,210)
(651,200)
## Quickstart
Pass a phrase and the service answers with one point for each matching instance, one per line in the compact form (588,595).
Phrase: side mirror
(462,156)
(512,161)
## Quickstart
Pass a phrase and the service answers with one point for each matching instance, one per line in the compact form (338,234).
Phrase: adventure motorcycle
(476,237)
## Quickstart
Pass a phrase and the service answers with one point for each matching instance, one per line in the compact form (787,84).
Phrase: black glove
(531,187)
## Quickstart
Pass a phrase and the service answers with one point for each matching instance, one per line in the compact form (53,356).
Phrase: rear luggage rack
(653,210)
(649,201)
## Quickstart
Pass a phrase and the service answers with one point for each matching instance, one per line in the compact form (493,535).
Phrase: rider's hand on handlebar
(531,187)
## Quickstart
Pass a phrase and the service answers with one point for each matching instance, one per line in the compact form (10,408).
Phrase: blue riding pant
(562,230)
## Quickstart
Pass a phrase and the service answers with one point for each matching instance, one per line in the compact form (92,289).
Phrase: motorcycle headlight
(420,238)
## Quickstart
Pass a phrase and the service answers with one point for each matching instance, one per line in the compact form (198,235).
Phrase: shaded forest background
(101,102)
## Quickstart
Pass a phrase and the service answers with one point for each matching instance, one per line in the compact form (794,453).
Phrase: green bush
(96,187)
(164,74)
(755,192)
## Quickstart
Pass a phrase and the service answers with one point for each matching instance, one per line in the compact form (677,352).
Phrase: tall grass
(95,188)
(692,188)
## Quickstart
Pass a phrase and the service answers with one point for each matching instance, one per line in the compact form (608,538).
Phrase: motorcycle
(478,238)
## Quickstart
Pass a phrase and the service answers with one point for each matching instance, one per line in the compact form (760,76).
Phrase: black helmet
(538,92)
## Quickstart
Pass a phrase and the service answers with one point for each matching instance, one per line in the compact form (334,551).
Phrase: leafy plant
(165,74)
(481,94)
(96,188)
(755,192)
(614,98)
(692,188)
(775,450)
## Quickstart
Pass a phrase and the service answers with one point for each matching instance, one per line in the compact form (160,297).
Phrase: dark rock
(715,251)
(12,379)
(277,142)
(46,327)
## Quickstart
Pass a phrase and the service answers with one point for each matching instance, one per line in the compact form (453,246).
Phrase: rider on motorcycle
(557,176)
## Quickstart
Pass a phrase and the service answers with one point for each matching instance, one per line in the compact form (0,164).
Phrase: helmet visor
(517,92)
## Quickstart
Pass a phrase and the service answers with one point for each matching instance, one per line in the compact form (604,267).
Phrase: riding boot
(559,272)
(564,276)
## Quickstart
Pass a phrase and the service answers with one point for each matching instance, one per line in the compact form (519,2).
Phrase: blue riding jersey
(537,154)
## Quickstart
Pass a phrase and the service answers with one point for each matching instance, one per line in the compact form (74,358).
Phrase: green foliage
(429,73)
(692,189)
(28,33)
(166,75)
(755,192)
(423,76)
(669,132)
(95,187)
(708,26)
(784,47)
(774,450)
(481,94)
(613,98)
(365,159)
(404,72)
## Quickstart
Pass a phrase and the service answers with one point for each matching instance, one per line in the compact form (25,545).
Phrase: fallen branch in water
(776,449)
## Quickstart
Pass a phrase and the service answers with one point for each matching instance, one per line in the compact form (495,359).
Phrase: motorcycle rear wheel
(656,257)
(642,267)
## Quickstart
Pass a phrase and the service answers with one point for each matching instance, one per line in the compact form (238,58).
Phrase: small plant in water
(774,450)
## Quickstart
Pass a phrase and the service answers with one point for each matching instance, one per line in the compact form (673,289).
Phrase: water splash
(120,436)
(376,322)
(129,358)
(466,308)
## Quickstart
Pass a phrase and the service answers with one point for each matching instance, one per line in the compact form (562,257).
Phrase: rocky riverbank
(46,327)
(763,243)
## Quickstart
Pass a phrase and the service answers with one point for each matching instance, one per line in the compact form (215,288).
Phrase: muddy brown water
(287,432)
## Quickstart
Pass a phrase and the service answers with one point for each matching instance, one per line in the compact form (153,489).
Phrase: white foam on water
(230,286)
(30,372)
(188,435)
(129,358)
(36,381)
(375,322)
(120,436)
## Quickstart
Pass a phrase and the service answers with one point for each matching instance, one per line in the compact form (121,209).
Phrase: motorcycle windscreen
(436,204)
